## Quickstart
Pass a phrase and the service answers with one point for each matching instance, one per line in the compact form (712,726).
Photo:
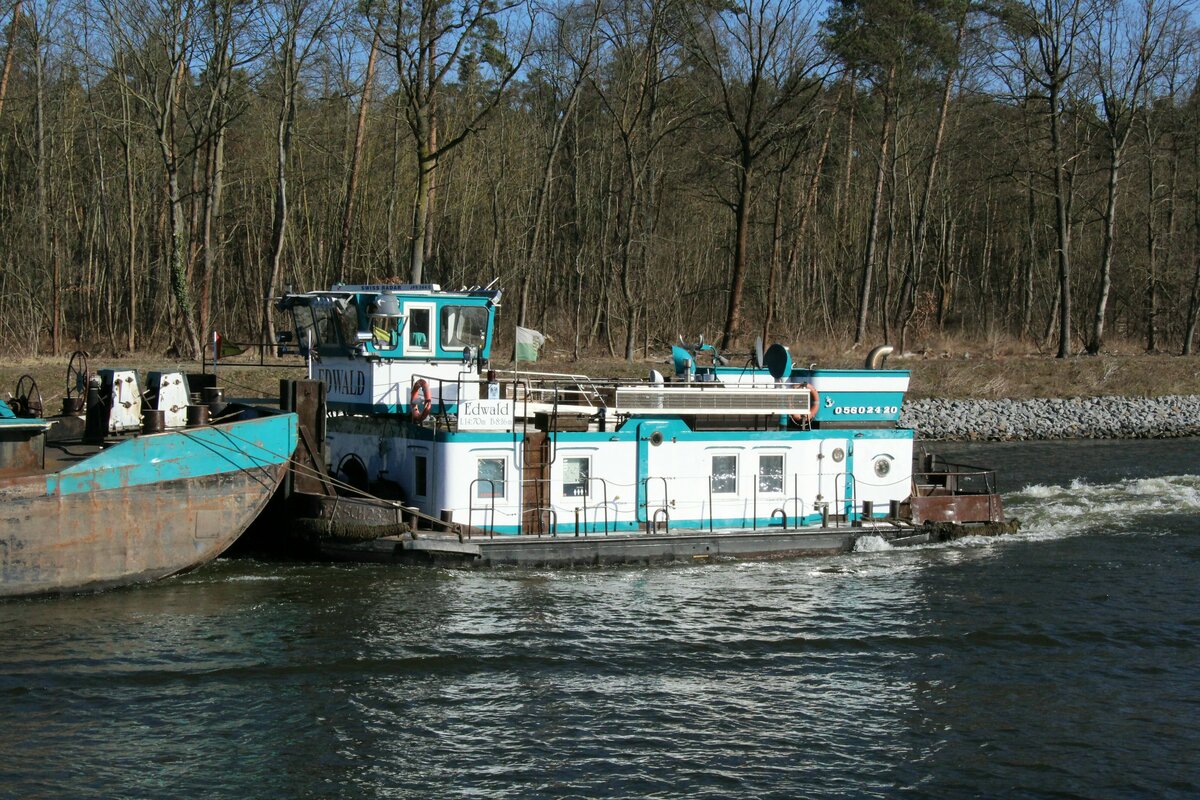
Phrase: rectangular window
(420,477)
(576,471)
(464,326)
(770,474)
(724,474)
(491,478)
(419,329)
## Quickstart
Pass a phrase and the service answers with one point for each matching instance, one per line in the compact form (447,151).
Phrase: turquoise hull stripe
(688,525)
(174,455)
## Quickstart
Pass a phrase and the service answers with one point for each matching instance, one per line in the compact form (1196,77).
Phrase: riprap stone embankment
(1055,418)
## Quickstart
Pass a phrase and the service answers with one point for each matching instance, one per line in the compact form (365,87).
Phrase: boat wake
(1080,507)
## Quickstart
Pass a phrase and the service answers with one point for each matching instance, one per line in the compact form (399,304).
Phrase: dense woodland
(629,170)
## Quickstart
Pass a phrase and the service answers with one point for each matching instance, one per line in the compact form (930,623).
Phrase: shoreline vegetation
(956,392)
(627,171)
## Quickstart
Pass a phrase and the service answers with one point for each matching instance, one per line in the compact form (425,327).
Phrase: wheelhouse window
(490,478)
(347,320)
(464,326)
(419,320)
(770,474)
(576,471)
(724,474)
(319,322)
(385,332)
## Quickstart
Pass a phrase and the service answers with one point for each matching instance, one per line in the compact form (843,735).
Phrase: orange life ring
(418,401)
(814,405)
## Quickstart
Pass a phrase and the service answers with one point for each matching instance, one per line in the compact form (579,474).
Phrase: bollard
(197,416)
(154,420)
(893,509)
(868,509)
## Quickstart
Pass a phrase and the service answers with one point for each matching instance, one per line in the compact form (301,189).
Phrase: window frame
(587,477)
(428,349)
(420,473)
(782,474)
(713,474)
(445,335)
(482,487)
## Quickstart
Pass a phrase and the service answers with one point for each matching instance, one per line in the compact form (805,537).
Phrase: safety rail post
(710,505)
(796,498)
(754,501)
(666,516)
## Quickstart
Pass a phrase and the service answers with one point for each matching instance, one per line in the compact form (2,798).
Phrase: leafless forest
(859,171)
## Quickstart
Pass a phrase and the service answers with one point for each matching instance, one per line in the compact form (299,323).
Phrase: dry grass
(951,369)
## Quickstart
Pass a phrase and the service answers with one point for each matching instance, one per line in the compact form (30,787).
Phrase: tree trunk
(1096,341)
(360,129)
(737,283)
(1062,225)
(885,138)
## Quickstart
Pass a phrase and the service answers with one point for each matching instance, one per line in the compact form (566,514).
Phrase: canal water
(1060,662)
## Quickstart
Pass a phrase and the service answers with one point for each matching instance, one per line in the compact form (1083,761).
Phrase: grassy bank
(948,374)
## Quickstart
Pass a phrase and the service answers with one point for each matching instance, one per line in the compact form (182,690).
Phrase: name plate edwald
(485,415)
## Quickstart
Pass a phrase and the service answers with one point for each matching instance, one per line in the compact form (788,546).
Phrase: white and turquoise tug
(537,468)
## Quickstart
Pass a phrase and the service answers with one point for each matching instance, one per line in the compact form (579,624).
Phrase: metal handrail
(666,494)
(491,528)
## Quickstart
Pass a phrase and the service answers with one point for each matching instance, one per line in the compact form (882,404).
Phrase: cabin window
(418,329)
(770,474)
(315,321)
(490,476)
(576,471)
(385,332)
(464,326)
(420,476)
(347,318)
(724,474)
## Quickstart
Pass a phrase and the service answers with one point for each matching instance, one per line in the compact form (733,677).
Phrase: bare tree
(1123,47)
(766,70)
(1043,38)
(434,42)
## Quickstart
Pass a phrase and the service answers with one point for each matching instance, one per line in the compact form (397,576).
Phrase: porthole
(838,454)
(883,466)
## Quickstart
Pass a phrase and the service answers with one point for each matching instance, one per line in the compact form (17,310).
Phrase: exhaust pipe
(876,357)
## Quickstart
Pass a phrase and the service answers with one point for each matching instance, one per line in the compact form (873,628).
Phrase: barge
(127,486)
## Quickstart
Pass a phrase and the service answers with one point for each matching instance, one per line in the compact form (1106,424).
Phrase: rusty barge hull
(100,540)
(140,509)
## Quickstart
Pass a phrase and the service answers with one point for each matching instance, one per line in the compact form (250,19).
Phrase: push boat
(126,487)
(425,452)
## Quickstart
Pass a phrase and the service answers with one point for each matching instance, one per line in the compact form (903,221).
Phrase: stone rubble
(1054,418)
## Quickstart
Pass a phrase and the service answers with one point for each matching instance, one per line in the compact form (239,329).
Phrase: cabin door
(535,484)
(833,476)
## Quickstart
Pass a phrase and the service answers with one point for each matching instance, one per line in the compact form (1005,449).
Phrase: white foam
(1051,511)
(871,543)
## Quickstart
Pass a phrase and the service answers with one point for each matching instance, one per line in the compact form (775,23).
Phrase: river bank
(1054,418)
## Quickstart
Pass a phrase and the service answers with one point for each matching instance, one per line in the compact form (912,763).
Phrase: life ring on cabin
(418,401)
(814,405)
